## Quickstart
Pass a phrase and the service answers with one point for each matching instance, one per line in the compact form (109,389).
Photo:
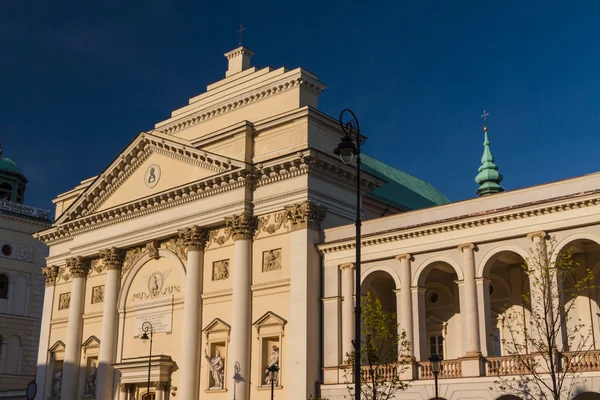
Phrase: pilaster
(50,273)
(347,309)
(404,304)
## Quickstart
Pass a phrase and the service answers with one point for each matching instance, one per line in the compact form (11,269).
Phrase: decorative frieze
(131,255)
(112,258)
(214,236)
(306,215)
(242,226)
(176,246)
(279,220)
(78,266)
(98,294)
(194,238)
(220,270)
(63,274)
(50,273)
(127,388)
(64,301)
(96,265)
(271,260)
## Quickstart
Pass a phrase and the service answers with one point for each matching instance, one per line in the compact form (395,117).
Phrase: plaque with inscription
(160,317)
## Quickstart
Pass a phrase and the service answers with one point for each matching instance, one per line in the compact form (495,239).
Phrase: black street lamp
(436,368)
(148,329)
(347,149)
(273,370)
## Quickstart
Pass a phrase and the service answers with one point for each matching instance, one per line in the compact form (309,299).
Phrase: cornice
(466,222)
(231,104)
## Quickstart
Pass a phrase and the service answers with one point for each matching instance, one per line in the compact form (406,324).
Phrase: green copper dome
(488,177)
(8,165)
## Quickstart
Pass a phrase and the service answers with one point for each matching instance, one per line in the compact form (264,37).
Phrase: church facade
(213,257)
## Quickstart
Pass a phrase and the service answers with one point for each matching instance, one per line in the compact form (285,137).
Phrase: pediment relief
(126,178)
(270,319)
(217,325)
(57,347)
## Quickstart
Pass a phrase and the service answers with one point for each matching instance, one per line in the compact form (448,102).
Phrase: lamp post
(436,367)
(347,149)
(148,329)
(273,369)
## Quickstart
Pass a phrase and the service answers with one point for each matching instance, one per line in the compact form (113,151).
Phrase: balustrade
(450,369)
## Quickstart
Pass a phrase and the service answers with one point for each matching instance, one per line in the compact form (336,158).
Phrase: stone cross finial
(241,31)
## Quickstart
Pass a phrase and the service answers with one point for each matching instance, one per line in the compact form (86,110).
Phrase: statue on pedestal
(56,388)
(274,361)
(90,382)
(216,365)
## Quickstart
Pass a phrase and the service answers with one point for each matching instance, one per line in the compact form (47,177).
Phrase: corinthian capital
(78,266)
(193,238)
(112,258)
(50,273)
(242,226)
(306,215)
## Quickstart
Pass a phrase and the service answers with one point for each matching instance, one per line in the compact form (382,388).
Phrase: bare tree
(384,353)
(547,345)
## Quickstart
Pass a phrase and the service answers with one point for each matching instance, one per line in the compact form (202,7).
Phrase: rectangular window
(436,345)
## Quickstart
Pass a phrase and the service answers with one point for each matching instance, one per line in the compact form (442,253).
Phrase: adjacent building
(21,282)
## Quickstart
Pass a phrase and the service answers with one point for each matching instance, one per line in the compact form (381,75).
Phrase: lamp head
(346,150)
(273,369)
(144,337)
(436,363)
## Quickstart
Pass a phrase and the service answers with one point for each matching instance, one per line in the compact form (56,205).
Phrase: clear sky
(80,80)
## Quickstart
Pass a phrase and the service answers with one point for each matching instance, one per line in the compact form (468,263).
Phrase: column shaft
(108,340)
(347,309)
(470,313)
(73,344)
(43,355)
(419,325)
(192,311)
(239,351)
(405,305)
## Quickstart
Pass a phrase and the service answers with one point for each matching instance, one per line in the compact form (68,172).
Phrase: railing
(450,369)
(578,362)
(382,372)
(508,365)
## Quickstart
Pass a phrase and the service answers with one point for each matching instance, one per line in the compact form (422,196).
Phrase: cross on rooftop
(241,31)
(484,115)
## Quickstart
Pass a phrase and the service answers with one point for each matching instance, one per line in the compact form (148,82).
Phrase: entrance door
(149,396)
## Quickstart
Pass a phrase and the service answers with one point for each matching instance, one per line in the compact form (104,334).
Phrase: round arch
(138,264)
(418,277)
(560,245)
(483,269)
(508,397)
(390,271)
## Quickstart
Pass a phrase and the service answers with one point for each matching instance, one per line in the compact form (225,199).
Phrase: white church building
(225,236)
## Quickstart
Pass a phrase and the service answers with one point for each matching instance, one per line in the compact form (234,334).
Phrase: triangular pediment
(152,163)
(270,318)
(217,325)
(92,341)
(57,347)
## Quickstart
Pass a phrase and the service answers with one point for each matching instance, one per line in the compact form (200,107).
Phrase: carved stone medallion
(152,176)
(220,270)
(64,301)
(98,294)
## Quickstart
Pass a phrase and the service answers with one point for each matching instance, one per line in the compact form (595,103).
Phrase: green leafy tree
(546,345)
(384,353)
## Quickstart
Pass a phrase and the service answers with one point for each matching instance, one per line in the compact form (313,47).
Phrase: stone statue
(57,384)
(90,382)
(216,366)
(274,361)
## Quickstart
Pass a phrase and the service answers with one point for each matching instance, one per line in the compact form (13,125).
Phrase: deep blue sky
(80,80)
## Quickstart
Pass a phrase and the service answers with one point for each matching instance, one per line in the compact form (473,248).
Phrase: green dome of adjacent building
(12,180)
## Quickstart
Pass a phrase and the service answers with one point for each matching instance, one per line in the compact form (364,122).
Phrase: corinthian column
(78,267)
(112,260)
(347,309)
(242,229)
(194,239)
(50,274)
(470,314)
